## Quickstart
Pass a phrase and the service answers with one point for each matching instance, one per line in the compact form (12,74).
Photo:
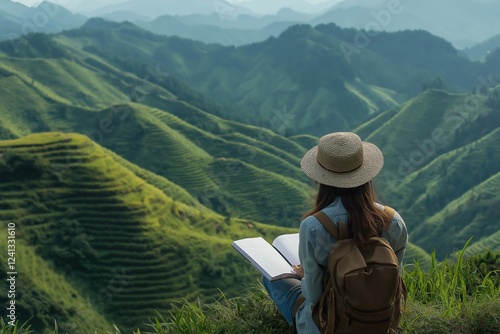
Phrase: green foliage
(261,86)
(313,82)
(452,285)
(17,329)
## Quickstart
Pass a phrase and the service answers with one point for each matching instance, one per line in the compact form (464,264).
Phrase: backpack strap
(339,233)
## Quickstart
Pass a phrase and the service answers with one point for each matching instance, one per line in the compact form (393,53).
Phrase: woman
(344,168)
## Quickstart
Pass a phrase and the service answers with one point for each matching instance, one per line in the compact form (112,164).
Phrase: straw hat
(342,160)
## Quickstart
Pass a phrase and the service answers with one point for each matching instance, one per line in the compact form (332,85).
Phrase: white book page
(288,246)
(264,257)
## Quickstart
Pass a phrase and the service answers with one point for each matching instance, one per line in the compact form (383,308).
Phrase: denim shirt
(315,244)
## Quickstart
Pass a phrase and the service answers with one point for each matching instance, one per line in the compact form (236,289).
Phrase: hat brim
(373,161)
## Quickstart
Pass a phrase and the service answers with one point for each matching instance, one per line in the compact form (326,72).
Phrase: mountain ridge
(222,157)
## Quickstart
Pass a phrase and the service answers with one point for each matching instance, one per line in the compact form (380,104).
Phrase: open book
(273,261)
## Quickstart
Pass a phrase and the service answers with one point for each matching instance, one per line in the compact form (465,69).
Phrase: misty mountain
(154,9)
(17,19)
(244,29)
(484,49)
(303,6)
(241,22)
(450,19)
(173,26)
(86,6)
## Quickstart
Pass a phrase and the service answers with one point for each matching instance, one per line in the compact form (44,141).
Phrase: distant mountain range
(310,72)
(265,7)
(177,26)
(202,19)
(449,19)
(483,50)
(17,20)
(445,18)
(152,9)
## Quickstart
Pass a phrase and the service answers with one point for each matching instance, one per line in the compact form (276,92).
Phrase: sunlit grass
(457,295)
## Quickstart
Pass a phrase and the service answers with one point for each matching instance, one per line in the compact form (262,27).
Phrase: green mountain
(323,81)
(103,245)
(231,75)
(429,144)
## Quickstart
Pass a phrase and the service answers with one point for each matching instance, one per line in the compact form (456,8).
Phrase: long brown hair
(364,218)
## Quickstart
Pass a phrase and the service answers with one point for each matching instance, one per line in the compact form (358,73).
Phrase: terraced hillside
(119,246)
(44,294)
(211,158)
(430,143)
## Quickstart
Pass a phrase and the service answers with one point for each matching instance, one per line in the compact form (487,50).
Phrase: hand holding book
(299,270)
(273,261)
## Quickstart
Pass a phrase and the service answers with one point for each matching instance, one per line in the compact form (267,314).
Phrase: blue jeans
(284,293)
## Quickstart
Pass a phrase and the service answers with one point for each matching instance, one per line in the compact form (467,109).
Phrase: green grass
(455,296)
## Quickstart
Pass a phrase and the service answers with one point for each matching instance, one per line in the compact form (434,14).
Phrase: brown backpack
(362,288)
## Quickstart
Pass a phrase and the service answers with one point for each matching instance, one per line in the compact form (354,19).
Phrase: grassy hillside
(429,144)
(112,239)
(211,158)
(47,294)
